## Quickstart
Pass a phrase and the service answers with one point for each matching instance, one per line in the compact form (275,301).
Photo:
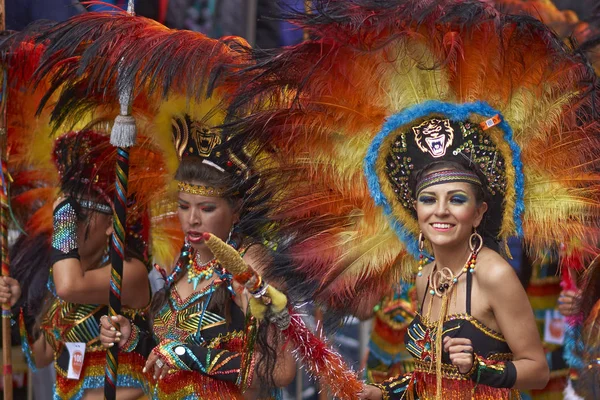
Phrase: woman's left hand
(461,353)
(10,290)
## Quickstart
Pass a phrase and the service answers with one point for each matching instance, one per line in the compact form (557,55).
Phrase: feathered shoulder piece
(384,88)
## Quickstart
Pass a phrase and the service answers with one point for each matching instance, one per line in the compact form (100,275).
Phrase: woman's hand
(370,393)
(567,302)
(461,353)
(10,290)
(156,364)
(109,335)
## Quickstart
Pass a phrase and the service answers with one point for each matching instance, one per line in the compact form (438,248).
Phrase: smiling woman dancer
(204,334)
(478,337)
(435,130)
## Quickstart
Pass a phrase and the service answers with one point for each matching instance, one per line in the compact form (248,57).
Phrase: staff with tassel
(4,218)
(123,136)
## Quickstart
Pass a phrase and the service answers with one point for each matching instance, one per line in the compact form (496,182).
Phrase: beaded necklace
(441,284)
(197,271)
(443,281)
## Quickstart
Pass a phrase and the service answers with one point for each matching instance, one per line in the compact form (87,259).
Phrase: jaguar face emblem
(434,136)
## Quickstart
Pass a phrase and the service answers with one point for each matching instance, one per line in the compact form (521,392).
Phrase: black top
(486,342)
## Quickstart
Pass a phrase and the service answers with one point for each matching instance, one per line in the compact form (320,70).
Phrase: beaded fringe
(454,389)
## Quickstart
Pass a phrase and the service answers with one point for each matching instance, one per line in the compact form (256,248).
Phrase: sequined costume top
(211,356)
(388,356)
(66,322)
(489,346)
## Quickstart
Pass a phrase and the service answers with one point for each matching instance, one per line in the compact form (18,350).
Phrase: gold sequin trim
(488,331)
(199,189)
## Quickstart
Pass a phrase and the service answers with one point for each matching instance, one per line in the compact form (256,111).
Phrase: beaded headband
(92,205)
(446,176)
(200,189)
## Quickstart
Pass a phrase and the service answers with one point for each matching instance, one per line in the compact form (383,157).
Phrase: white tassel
(124,132)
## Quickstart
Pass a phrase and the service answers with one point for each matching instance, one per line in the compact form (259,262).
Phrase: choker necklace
(199,271)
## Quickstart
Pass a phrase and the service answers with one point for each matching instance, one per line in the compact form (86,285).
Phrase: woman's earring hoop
(475,242)
(421,257)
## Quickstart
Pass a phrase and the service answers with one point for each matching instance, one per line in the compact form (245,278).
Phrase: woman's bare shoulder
(493,270)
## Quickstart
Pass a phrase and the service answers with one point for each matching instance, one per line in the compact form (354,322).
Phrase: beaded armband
(170,351)
(132,340)
(64,236)
(220,364)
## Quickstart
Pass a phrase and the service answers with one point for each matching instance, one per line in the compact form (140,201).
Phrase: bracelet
(64,235)
(260,292)
(132,341)
(497,374)
(257,284)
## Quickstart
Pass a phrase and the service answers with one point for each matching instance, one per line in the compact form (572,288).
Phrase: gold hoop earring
(421,256)
(475,242)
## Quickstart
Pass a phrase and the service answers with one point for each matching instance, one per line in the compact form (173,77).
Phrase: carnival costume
(80,165)
(182,84)
(210,355)
(383,90)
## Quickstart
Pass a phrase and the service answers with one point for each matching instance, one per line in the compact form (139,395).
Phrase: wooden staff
(123,136)
(4,218)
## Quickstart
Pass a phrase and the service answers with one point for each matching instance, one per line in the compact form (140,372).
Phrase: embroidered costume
(210,357)
(79,323)
(385,89)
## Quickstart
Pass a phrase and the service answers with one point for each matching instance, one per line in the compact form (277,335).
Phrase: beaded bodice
(421,335)
(72,322)
(189,321)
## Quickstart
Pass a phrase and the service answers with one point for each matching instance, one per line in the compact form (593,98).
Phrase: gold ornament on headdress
(200,190)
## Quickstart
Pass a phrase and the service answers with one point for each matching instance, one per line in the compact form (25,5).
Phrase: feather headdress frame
(377,67)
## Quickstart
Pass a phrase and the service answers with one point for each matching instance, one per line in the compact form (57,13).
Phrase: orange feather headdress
(373,72)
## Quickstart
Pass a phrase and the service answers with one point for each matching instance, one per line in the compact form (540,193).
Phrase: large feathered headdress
(182,81)
(385,87)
